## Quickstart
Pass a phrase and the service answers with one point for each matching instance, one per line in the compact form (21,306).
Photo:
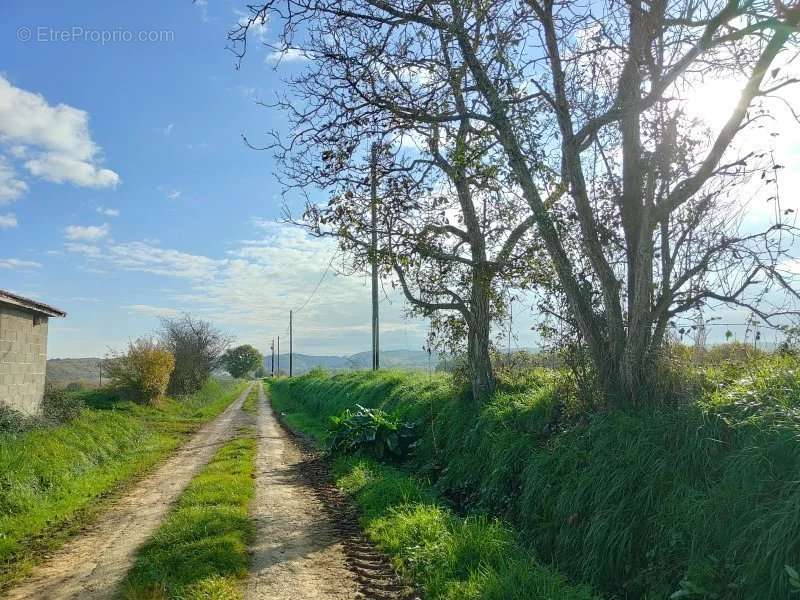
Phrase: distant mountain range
(391,359)
(61,371)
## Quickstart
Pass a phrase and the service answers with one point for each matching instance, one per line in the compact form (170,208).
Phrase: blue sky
(126,191)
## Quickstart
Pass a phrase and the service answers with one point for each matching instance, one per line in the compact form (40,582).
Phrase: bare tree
(451,221)
(589,99)
(197,347)
(450,243)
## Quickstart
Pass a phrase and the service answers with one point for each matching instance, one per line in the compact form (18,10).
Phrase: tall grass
(450,557)
(701,499)
(51,478)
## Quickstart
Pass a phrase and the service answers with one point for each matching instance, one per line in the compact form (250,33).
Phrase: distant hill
(61,371)
(391,359)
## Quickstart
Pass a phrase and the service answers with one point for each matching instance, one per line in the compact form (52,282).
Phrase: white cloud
(62,168)
(86,233)
(89,250)
(11,188)
(8,220)
(149,258)
(109,212)
(15,263)
(202,5)
(288,55)
(168,129)
(54,141)
(252,288)
(174,195)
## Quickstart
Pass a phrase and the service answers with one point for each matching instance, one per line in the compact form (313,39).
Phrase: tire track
(372,571)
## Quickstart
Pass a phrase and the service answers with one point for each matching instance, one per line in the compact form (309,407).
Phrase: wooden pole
(272,362)
(279,356)
(374,256)
(290,343)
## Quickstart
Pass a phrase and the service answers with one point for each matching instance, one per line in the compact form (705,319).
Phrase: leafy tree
(197,347)
(635,204)
(241,360)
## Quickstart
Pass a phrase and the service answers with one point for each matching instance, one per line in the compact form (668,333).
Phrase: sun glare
(713,101)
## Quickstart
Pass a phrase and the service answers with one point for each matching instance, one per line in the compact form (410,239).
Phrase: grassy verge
(449,556)
(52,480)
(699,499)
(200,551)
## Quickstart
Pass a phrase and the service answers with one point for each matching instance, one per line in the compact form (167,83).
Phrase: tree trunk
(478,356)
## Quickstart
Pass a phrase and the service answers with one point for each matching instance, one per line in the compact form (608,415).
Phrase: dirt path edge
(373,570)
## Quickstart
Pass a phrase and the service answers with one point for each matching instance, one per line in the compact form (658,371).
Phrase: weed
(60,406)
(372,431)
(250,406)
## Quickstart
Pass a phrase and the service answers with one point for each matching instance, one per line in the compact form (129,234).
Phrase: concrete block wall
(23,358)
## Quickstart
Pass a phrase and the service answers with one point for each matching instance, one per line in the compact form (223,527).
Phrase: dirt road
(308,545)
(91,565)
(297,554)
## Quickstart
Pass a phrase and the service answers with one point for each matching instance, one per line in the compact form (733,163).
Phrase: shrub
(144,371)
(371,430)
(13,421)
(60,406)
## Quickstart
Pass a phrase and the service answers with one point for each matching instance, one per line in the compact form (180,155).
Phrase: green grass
(200,551)
(52,480)
(701,497)
(450,557)
(250,405)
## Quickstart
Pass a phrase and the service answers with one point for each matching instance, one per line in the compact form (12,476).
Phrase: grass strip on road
(250,406)
(201,550)
(53,480)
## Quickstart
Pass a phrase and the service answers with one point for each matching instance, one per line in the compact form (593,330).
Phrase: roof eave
(31,305)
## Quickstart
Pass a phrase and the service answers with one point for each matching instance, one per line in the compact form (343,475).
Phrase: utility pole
(374,255)
(100,364)
(272,362)
(290,343)
(279,356)
(510,324)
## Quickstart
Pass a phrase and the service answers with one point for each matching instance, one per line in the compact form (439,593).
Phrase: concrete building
(23,350)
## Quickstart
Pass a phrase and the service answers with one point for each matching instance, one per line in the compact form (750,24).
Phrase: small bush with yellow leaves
(143,371)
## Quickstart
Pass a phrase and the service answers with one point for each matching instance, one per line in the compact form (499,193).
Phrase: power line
(319,283)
